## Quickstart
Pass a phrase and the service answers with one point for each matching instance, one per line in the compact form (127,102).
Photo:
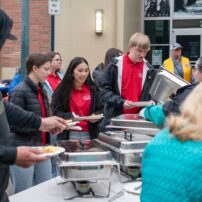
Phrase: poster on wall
(157,57)
(186,8)
(156,8)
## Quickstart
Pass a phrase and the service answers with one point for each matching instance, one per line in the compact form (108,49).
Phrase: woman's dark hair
(52,54)
(36,59)
(62,94)
(199,64)
(111,53)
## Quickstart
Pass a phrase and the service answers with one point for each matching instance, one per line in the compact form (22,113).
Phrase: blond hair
(140,40)
(188,125)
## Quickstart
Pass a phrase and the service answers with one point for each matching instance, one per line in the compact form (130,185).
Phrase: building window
(158,31)
(188,23)
(157,55)
(188,8)
(157,8)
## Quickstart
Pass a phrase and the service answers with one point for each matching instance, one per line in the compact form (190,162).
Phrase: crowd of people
(38,106)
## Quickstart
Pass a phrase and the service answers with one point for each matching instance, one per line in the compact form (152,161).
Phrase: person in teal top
(158,113)
(172,161)
(154,113)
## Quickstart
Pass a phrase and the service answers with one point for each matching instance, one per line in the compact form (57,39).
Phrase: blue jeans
(54,166)
(24,178)
(53,139)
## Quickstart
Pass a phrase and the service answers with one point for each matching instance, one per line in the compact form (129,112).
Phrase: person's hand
(152,102)
(27,156)
(128,104)
(93,120)
(53,124)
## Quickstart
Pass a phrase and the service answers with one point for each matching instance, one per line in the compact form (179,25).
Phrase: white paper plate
(134,187)
(50,154)
(72,123)
(92,117)
(75,128)
(141,104)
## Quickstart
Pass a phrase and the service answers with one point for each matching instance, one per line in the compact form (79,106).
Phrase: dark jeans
(5,198)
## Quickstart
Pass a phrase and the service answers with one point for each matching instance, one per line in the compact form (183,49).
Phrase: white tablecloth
(50,191)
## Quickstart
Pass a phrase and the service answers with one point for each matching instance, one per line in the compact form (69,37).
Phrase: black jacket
(96,107)
(25,95)
(97,74)
(113,102)
(173,105)
(14,116)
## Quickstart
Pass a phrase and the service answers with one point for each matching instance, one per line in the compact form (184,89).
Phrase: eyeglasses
(58,60)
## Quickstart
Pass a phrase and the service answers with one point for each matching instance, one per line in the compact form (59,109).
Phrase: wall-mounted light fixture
(98,21)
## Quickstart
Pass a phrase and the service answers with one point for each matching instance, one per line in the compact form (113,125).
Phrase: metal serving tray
(89,151)
(127,149)
(88,161)
(164,85)
(81,172)
(131,120)
(134,123)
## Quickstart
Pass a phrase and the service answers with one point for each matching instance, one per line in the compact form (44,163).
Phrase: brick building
(164,21)
(40,33)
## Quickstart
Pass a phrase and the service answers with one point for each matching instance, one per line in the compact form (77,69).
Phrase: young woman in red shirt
(78,94)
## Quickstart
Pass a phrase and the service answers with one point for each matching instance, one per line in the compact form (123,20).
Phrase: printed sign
(54,7)
(157,57)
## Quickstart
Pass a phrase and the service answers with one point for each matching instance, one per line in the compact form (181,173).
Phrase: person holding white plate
(126,80)
(30,96)
(77,94)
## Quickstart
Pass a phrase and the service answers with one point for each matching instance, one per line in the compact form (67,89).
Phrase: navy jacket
(25,95)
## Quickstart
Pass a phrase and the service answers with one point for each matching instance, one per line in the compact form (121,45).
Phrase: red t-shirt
(80,102)
(131,82)
(53,80)
(43,112)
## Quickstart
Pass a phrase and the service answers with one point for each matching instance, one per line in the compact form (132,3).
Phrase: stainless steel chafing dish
(164,85)
(126,148)
(133,123)
(127,143)
(85,161)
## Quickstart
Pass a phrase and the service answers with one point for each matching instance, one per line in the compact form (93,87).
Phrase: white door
(191,41)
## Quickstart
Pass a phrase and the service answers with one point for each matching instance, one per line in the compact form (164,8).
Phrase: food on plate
(50,149)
